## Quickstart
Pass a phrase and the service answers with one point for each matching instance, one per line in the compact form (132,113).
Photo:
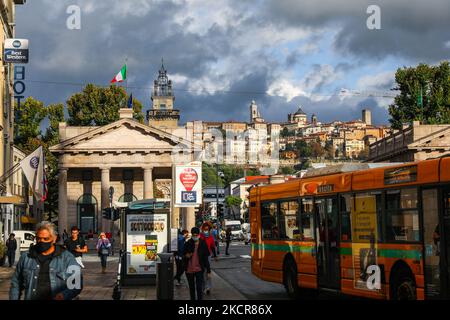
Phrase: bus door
(436,235)
(327,235)
(445,242)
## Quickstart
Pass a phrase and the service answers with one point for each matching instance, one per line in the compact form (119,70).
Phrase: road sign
(16,51)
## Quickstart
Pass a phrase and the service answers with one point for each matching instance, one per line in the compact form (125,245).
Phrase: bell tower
(162,113)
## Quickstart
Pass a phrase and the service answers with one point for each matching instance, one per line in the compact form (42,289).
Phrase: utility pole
(217,191)
(111,193)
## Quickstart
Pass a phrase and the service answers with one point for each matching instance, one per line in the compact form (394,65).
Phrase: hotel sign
(16,51)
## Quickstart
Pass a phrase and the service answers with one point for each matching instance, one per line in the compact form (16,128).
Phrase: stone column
(148,183)
(190,218)
(62,200)
(105,224)
(175,218)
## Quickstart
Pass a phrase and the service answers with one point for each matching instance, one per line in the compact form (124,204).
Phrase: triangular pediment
(124,135)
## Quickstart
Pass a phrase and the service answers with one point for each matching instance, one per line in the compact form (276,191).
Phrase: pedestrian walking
(11,245)
(207,236)
(103,247)
(196,263)
(65,236)
(227,240)
(76,245)
(42,273)
(182,237)
(215,233)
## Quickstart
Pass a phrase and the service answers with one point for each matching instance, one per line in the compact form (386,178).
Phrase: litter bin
(164,277)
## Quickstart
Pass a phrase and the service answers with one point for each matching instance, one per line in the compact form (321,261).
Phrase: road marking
(245,256)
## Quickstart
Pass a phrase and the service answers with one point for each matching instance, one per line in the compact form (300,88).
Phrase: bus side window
(345,209)
(288,223)
(269,213)
(307,220)
(402,218)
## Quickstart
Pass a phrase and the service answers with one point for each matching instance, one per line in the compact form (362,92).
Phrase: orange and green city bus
(380,233)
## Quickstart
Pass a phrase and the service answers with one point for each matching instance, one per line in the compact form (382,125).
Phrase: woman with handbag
(103,248)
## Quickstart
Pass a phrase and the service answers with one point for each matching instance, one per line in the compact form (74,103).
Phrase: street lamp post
(217,191)
(111,193)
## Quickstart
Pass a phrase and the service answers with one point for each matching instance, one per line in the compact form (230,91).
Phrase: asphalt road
(236,270)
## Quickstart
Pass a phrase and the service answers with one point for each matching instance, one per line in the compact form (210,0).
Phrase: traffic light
(220,210)
(116,214)
(111,213)
(106,213)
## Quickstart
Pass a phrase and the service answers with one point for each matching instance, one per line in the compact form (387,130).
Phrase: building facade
(135,159)
(413,143)
(8,200)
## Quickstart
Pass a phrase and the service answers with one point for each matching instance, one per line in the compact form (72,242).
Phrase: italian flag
(122,75)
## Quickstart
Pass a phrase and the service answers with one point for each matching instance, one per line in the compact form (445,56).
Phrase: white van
(236,229)
(27,238)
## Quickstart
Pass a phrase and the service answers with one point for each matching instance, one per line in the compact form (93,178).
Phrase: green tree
(424,95)
(28,118)
(329,150)
(100,106)
(364,154)
(233,203)
(285,132)
(287,170)
(317,150)
(29,137)
(303,149)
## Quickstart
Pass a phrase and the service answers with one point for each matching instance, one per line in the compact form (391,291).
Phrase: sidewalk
(98,286)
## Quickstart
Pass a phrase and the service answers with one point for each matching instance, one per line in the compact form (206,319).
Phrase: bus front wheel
(290,279)
(404,287)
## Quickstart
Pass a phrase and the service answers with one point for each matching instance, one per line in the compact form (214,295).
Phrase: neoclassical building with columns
(136,159)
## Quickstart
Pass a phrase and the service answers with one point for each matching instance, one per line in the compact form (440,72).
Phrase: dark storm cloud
(97,51)
(232,104)
(146,31)
(409,28)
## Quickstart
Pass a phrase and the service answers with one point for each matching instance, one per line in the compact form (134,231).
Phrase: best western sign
(16,51)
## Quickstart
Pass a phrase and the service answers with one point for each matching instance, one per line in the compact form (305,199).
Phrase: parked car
(27,238)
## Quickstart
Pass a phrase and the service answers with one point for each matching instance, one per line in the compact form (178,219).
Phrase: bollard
(164,277)
(117,292)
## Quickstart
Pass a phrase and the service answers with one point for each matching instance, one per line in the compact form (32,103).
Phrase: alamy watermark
(74,280)
(249,147)
(73,21)
(374,20)
(373,281)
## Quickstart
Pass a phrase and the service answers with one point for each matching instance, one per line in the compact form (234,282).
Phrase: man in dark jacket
(47,271)
(179,255)
(196,262)
(11,244)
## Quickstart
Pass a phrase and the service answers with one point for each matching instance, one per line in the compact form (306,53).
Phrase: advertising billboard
(146,237)
(188,185)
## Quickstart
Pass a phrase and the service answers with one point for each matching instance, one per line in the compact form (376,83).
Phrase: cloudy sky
(222,54)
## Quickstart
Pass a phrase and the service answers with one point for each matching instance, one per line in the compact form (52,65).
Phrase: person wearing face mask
(196,263)
(47,271)
(207,236)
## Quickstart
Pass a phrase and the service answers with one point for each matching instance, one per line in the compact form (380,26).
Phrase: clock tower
(162,113)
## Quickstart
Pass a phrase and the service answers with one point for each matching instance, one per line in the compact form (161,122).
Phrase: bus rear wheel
(290,279)
(404,288)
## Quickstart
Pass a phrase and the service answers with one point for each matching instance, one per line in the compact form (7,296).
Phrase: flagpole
(126,76)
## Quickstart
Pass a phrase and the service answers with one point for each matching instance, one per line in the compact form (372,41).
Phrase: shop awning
(12,200)
(27,219)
